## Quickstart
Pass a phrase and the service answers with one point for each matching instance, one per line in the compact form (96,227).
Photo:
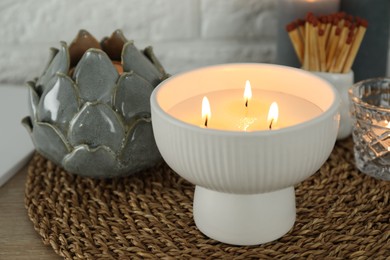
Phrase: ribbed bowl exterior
(244,162)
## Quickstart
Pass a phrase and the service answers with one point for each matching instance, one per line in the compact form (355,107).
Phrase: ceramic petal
(60,63)
(140,149)
(53,53)
(113,45)
(95,76)
(132,96)
(95,125)
(33,99)
(83,41)
(149,53)
(134,60)
(97,162)
(27,123)
(49,141)
(59,103)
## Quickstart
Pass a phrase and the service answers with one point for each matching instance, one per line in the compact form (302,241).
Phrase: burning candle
(206,111)
(245,175)
(230,113)
(273,115)
(247,92)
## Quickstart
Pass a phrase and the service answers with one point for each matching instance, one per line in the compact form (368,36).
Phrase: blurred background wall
(185,34)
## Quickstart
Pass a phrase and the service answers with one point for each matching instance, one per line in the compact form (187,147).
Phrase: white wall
(184,33)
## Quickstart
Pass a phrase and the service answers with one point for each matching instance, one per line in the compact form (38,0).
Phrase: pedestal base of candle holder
(241,219)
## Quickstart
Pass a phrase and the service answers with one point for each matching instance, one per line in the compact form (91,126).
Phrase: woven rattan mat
(341,214)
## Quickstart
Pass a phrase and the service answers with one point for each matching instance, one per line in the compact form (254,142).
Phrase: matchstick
(332,49)
(296,40)
(339,64)
(332,32)
(327,43)
(340,45)
(314,53)
(355,45)
(306,55)
(321,49)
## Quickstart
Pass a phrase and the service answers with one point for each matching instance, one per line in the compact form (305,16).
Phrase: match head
(309,16)
(330,18)
(314,22)
(364,23)
(338,31)
(300,22)
(323,19)
(349,40)
(341,15)
(349,18)
(290,27)
(351,33)
(336,20)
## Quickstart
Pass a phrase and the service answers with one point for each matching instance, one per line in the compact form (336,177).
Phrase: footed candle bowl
(245,181)
(90,108)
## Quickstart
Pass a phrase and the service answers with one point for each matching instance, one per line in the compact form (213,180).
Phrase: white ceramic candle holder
(245,180)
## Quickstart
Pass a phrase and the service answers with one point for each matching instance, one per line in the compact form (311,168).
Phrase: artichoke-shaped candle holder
(90,109)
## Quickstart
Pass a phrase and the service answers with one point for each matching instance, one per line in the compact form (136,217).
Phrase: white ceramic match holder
(341,82)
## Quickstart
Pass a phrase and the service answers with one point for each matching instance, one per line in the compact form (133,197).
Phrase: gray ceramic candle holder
(90,109)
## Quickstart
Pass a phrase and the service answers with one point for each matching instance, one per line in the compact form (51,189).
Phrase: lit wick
(273,114)
(206,111)
(270,125)
(247,93)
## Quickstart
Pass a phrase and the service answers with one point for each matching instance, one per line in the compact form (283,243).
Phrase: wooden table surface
(18,239)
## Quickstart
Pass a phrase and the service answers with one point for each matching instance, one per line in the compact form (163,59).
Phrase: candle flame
(247,92)
(206,111)
(273,114)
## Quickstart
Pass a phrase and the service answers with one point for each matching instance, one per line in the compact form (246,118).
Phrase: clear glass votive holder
(370,111)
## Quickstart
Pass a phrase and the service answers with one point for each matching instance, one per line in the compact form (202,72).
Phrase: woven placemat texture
(341,214)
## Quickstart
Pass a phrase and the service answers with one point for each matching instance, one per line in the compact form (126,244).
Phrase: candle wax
(228,111)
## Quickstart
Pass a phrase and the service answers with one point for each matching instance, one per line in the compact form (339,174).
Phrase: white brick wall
(184,33)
